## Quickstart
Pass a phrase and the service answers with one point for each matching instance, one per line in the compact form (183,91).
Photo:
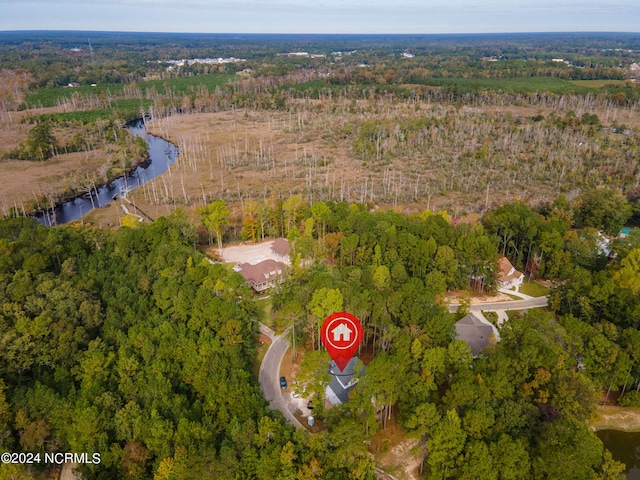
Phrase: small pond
(625,447)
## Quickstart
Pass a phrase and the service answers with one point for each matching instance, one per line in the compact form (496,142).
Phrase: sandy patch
(455,298)
(399,460)
(251,253)
(616,418)
(68,473)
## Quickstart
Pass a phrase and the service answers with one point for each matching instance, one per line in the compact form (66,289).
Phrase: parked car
(283,383)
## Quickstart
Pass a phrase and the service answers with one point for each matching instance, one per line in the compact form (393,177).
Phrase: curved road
(269,375)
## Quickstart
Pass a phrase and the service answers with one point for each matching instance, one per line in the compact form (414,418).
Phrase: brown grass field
(240,154)
(24,183)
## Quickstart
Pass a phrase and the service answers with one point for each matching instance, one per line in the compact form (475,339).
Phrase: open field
(49,97)
(24,181)
(265,313)
(408,155)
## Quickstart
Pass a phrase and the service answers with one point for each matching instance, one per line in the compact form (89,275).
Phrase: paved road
(269,378)
(269,375)
(536,302)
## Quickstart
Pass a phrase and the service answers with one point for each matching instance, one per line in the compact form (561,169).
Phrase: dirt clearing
(249,253)
(608,417)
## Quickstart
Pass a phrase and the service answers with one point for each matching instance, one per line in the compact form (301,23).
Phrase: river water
(624,447)
(162,155)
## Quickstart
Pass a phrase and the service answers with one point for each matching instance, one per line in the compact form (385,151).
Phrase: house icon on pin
(342,331)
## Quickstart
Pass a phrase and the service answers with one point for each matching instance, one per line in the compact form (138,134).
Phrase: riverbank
(31,187)
(626,419)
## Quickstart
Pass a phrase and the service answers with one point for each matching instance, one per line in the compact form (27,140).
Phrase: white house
(508,276)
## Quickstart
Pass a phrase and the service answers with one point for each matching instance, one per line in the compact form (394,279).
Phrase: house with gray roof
(342,382)
(476,333)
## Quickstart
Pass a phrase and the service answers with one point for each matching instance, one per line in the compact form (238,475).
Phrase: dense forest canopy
(132,344)
(56,58)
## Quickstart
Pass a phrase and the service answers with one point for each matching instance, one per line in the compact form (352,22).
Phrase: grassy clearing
(265,315)
(512,314)
(534,289)
(513,297)
(464,85)
(510,85)
(599,83)
(491,316)
(49,97)
(127,110)
(517,85)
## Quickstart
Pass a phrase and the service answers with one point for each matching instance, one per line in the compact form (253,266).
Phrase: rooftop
(280,246)
(342,382)
(475,333)
(261,272)
(506,270)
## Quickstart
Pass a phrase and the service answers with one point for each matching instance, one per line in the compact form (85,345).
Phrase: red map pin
(341,335)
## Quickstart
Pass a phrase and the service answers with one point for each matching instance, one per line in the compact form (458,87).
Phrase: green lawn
(127,110)
(48,97)
(513,314)
(265,315)
(534,289)
(513,297)
(491,316)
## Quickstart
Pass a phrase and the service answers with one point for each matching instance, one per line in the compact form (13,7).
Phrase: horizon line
(536,32)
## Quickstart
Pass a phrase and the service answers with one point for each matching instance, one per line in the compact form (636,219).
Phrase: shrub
(630,399)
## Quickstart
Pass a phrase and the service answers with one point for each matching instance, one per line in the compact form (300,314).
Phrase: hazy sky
(323,16)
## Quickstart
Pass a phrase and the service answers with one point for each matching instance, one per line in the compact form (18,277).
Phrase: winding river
(162,155)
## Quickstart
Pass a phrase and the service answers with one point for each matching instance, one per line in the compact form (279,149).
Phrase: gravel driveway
(251,253)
